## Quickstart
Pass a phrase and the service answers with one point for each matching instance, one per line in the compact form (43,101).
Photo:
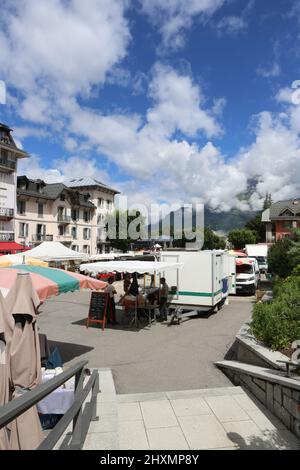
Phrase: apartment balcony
(64,219)
(6,214)
(42,238)
(64,238)
(9,166)
(7,237)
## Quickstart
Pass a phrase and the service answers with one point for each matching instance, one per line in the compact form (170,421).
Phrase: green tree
(212,241)
(239,238)
(124,228)
(284,255)
(257,226)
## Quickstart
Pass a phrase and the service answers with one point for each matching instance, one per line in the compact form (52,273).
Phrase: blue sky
(173,101)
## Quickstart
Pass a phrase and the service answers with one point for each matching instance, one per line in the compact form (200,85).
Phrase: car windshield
(261,259)
(244,269)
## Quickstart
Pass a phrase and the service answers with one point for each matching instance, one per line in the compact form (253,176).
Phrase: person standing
(163,298)
(111,291)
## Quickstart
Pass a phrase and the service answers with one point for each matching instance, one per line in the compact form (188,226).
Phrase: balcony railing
(6,213)
(9,164)
(7,237)
(42,238)
(64,219)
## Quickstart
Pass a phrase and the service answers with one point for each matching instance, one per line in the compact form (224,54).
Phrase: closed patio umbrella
(4,370)
(25,368)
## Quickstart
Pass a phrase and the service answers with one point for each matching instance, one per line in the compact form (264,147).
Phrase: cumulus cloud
(65,47)
(174,17)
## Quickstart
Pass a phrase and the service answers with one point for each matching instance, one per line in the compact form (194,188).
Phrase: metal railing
(64,218)
(80,413)
(42,238)
(7,237)
(4,212)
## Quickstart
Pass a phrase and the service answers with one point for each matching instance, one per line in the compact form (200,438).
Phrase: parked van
(247,275)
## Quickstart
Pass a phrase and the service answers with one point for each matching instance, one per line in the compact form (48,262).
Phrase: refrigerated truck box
(199,285)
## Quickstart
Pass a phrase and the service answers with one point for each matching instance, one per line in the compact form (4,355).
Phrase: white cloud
(231,25)
(65,47)
(270,70)
(62,169)
(174,17)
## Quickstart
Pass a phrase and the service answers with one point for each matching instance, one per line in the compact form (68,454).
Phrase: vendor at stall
(163,298)
(111,291)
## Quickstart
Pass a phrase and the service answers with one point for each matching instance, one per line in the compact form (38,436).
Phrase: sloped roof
(88,181)
(52,191)
(278,208)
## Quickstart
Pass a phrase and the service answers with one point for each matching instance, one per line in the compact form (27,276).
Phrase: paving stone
(244,429)
(107,423)
(157,414)
(209,392)
(226,409)
(102,441)
(129,412)
(138,397)
(167,439)
(190,406)
(265,421)
(133,435)
(204,432)
(245,402)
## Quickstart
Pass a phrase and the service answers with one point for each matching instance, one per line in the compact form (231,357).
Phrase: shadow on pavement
(69,351)
(271,440)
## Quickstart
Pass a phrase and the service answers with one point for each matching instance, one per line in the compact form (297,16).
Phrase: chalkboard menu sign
(98,309)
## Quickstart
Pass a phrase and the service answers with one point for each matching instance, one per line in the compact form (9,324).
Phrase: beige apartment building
(9,155)
(58,212)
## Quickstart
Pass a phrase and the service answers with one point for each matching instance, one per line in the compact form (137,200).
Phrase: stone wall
(281,395)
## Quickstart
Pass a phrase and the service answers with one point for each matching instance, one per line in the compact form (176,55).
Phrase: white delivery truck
(260,253)
(204,282)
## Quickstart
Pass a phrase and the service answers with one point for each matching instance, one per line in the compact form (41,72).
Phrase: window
(61,230)
(21,207)
(23,230)
(108,204)
(75,214)
(86,233)
(287,224)
(86,216)
(74,233)
(40,209)
(86,249)
(62,197)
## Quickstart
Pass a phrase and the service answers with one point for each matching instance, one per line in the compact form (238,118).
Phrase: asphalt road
(159,358)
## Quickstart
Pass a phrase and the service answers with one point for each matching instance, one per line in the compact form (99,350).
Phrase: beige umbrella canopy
(4,371)
(25,369)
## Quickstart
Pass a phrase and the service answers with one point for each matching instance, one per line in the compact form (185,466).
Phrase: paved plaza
(155,359)
(159,386)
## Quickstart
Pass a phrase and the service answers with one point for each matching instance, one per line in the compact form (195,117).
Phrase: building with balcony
(9,156)
(103,198)
(281,218)
(54,212)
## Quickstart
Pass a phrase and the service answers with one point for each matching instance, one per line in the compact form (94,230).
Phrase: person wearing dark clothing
(134,287)
(163,299)
(111,291)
